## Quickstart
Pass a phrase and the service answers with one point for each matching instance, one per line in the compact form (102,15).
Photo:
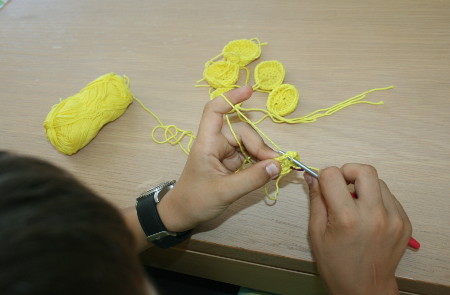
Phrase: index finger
(212,118)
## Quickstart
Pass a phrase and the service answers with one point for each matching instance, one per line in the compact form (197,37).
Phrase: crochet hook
(413,243)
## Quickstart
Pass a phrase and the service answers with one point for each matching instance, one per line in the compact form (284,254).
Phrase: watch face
(160,194)
(166,186)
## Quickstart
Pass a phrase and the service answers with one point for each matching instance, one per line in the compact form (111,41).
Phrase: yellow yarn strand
(76,120)
(172,133)
(284,161)
(247,158)
(250,122)
(312,117)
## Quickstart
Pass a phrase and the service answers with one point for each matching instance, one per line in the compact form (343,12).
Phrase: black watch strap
(152,225)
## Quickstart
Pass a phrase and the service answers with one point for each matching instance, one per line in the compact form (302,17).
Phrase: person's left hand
(209,184)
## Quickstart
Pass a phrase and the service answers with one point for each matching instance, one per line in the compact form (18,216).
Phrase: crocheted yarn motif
(268,75)
(242,51)
(221,74)
(283,100)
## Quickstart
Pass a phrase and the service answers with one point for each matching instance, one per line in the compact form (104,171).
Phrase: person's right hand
(357,243)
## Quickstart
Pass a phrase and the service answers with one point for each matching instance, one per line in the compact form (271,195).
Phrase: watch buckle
(161,235)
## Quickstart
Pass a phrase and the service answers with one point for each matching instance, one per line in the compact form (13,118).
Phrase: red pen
(413,243)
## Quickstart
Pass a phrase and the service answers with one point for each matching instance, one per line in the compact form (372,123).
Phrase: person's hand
(357,243)
(209,184)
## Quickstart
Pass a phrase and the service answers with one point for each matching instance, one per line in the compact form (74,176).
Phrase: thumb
(250,179)
(318,217)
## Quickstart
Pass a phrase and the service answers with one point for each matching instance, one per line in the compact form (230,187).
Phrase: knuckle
(369,171)
(348,221)
(329,172)
(398,226)
(379,222)
(209,106)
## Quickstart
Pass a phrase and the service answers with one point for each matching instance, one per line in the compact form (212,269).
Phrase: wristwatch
(150,221)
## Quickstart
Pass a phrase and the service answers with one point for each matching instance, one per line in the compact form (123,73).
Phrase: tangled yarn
(268,75)
(172,134)
(282,100)
(75,121)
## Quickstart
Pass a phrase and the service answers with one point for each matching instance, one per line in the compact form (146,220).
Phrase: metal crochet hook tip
(300,164)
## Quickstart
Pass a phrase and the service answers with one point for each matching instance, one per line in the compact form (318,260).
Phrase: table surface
(332,50)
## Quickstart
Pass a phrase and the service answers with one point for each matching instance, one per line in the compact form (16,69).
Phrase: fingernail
(308,178)
(272,170)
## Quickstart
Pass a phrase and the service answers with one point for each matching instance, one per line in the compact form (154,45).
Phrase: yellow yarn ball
(242,51)
(269,74)
(221,74)
(75,121)
(283,99)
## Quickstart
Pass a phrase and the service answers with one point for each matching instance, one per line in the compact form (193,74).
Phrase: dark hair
(58,237)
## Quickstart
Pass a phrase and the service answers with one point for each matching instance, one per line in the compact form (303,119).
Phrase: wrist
(173,214)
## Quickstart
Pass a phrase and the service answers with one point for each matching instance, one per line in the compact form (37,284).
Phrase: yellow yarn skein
(242,51)
(75,121)
(283,100)
(268,75)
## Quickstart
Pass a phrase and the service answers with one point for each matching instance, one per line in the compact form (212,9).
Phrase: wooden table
(332,50)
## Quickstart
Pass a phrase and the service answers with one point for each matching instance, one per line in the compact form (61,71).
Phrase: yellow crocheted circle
(269,74)
(242,51)
(221,74)
(283,100)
